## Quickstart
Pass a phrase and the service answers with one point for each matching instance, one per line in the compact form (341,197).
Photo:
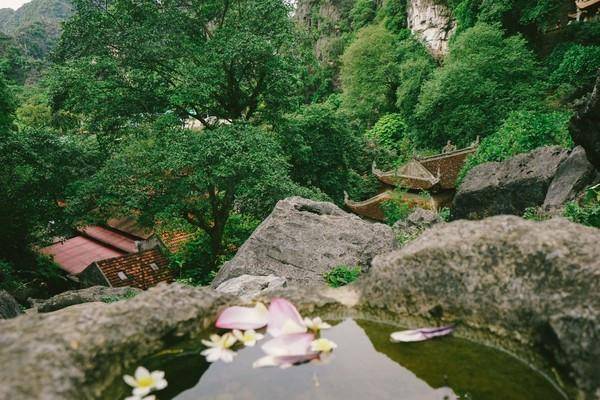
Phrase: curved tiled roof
(75,254)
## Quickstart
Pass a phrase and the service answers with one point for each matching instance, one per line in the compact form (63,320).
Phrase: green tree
(38,166)
(198,179)
(521,132)
(322,148)
(124,61)
(391,132)
(7,105)
(369,74)
(485,76)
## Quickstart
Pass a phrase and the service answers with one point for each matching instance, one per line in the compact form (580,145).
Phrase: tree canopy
(124,61)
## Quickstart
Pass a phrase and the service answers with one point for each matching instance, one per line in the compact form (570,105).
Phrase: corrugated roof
(110,238)
(137,267)
(74,255)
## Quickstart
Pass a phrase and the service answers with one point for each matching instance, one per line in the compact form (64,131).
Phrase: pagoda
(430,182)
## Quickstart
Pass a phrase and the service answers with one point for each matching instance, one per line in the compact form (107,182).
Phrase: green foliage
(395,210)
(394,14)
(485,76)
(445,214)
(341,275)
(195,178)
(391,133)
(368,74)
(6,105)
(225,60)
(362,13)
(587,212)
(577,69)
(129,294)
(522,131)
(322,148)
(535,214)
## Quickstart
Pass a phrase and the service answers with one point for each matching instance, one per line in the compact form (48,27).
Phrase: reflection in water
(365,366)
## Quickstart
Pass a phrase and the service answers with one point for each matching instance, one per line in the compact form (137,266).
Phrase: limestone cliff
(433,23)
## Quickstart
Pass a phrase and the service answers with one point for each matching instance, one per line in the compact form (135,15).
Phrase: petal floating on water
(284,318)
(296,344)
(419,335)
(243,317)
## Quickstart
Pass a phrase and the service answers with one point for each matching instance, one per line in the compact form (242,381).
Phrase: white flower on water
(145,381)
(151,397)
(219,348)
(249,337)
(316,324)
(322,345)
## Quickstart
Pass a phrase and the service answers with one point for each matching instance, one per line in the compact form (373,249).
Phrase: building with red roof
(119,254)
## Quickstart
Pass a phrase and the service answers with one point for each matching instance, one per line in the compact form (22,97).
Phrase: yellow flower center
(146,381)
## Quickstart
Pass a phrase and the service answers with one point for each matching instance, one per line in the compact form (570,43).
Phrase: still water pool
(366,365)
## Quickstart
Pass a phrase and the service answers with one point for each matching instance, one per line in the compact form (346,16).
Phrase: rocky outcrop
(248,287)
(572,176)
(585,125)
(88,295)
(535,283)
(432,21)
(77,352)
(302,239)
(9,308)
(510,186)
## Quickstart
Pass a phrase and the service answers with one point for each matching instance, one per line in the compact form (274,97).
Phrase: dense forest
(202,114)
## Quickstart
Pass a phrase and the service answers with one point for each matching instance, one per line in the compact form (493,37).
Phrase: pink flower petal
(283,362)
(243,318)
(293,345)
(284,318)
(419,335)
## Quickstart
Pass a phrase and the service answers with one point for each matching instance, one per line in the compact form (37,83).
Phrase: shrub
(588,212)
(395,209)
(522,131)
(342,275)
(129,294)
(535,214)
(577,69)
(390,132)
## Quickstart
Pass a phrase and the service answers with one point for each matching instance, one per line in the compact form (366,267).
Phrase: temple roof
(583,4)
(436,172)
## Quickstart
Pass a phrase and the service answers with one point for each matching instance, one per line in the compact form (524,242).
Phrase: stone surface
(572,176)
(433,23)
(88,295)
(534,283)
(9,308)
(248,287)
(302,239)
(585,125)
(510,186)
(77,352)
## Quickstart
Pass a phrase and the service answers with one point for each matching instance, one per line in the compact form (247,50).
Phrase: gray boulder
(9,308)
(585,124)
(572,176)
(88,295)
(248,287)
(302,239)
(78,352)
(508,187)
(536,284)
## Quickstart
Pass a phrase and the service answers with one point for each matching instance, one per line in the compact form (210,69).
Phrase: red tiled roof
(138,269)
(74,255)
(110,238)
(174,241)
(130,225)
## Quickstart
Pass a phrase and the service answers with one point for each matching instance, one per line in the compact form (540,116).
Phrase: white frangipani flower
(316,324)
(219,348)
(322,345)
(145,381)
(151,397)
(249,337)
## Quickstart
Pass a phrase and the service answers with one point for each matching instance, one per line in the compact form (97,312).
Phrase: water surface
(366,365)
